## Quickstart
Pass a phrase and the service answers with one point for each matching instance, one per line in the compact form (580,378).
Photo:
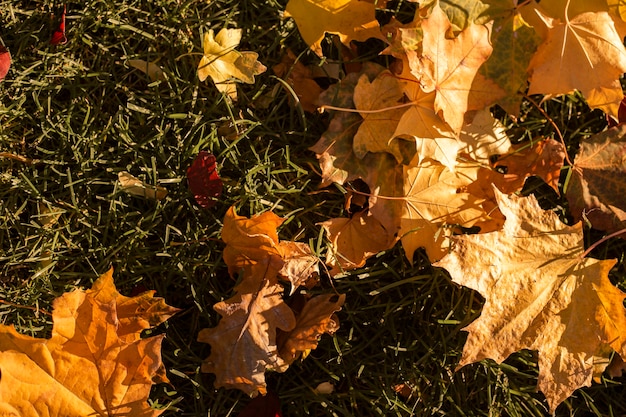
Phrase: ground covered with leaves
(105,107)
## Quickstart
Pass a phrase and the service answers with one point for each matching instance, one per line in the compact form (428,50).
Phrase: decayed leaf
(223,63)
(152,70)
(349,19)
(5,62)
(541,295)
(315,319)
(95,363)
(204,182)
(582,52)
(448,66)
(353,240)
(596,188)
(243,345)
(134,186)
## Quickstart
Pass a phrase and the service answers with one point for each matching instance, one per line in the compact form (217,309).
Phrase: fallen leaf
(324,388)
(596,187)
(203,180)
(134,186)
(377,103)
(300,264)
(349,19)
(582,52)
(543,159)
(243,345)
(152,70)
(223,63)
(316,318)
(5,62)
(58,36)
(353,240)
(447,67)
(540,295)
(95,362)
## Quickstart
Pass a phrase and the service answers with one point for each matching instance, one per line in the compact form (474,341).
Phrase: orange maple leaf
(539,294)
(94,364)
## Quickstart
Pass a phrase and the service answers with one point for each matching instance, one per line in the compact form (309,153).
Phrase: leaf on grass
(223,63)
(301,266)
(353,240)
(349,19)
(541,295)
(58,36)
(243,345)
(316,318)
(596,188)
(152,70)
(134,186)
(95,363)
(204,182)
(484,137)
(5,62)
(582,52)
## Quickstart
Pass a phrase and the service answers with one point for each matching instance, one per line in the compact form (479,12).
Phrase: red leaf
(58,37)
(263,406)
(5,62)
(203,180)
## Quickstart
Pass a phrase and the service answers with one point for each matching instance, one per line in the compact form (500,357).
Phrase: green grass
(84,115)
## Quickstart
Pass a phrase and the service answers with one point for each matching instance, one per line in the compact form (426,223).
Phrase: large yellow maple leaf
(448,66)
(223,63)
(349,19)
(541,295)
(95,363)
(580,52)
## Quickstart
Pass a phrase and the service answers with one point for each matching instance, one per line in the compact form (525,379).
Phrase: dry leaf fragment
(541,295)
(95,363)
(349,19)
(134,186)
(152,70)
(222,62)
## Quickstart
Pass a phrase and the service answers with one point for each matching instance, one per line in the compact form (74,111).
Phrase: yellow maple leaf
(223,63)
(95,363)
(448,66)
(582,53)
(539,294)
(349,19)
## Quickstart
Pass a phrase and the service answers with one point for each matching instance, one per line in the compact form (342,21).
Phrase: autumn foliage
(416,147)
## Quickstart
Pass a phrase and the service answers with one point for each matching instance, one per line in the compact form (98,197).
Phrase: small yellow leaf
(134,186)
(223,63)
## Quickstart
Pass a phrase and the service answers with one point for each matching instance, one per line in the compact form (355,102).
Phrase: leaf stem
(558,131)
(321,109)
(604,239)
